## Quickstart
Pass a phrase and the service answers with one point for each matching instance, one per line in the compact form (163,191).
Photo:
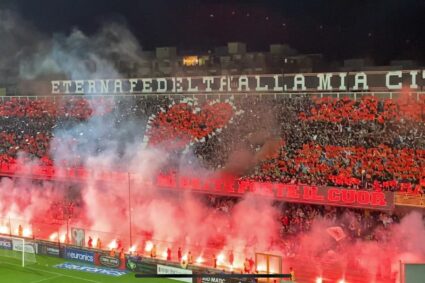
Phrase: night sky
(380,29)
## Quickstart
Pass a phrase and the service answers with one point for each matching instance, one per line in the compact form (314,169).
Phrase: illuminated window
(190,61)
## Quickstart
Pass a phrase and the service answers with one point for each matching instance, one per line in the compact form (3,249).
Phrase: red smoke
(171,220)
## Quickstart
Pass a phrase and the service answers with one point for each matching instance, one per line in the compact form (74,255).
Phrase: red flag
(336,232)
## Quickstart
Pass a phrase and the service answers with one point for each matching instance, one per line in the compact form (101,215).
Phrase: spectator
(168,254)
(179,254)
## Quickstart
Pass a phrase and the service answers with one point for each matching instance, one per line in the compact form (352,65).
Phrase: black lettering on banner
(109,261)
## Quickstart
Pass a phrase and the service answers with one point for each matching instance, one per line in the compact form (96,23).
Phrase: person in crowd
(292,273)
(179,254)
(251,264)
(122,254)
(189,258)
(90,242)
(153,251)
(168,254)
(98,244)
(247,265)
(231,257)
(119,244)
(20,230)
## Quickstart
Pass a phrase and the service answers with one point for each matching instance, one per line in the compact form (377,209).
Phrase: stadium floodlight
(319,280)
(19,249)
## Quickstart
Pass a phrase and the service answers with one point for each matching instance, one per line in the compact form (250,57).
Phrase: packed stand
(367,143)
(298,219)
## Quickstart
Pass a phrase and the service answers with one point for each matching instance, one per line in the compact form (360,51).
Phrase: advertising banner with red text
(284,192)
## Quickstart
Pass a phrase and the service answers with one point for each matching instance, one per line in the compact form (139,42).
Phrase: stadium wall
(373,81)
(136,264)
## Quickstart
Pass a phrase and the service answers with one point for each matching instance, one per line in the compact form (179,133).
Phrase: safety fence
(118,263)
(67,233)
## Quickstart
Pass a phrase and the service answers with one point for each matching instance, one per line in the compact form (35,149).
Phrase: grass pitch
(11,271)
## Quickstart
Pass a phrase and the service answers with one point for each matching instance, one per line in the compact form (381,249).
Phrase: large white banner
(78,237)
(163,269)
(277,83)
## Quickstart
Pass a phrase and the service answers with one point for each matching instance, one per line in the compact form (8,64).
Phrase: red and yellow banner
(410,199)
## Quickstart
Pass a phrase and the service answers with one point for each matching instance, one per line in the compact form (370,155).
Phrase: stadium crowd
(336,226)
(364,143)
(298,218)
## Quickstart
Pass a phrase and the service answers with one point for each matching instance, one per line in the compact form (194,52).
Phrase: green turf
(43,271)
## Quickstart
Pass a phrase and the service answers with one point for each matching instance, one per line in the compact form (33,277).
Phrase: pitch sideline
(41,280)
(51,272)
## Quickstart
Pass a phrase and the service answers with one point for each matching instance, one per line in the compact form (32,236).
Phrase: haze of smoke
(404,243)
(22,200)
(169,218)
(19,38)
(98,144)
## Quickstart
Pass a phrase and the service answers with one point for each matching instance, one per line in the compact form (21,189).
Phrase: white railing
(351,94)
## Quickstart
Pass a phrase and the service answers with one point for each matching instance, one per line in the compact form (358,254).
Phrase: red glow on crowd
(235,216)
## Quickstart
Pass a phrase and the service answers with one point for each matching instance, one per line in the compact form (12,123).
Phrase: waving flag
(336,232)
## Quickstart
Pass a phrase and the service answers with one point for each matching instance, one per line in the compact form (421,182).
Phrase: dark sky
(381,29)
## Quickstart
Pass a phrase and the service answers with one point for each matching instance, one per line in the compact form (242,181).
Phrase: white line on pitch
(51,272)
(45,279)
